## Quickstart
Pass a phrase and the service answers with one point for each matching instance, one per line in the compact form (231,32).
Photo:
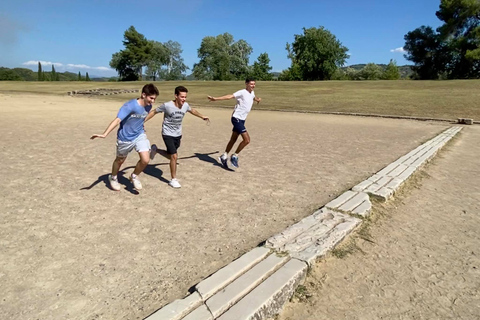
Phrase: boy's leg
(244,143)
(232,141)
(117,163)
(173,165)
(142,163)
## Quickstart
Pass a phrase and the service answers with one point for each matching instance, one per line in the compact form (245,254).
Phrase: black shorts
(172,143)
(238,125)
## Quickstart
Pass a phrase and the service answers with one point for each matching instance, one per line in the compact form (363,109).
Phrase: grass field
(432,99)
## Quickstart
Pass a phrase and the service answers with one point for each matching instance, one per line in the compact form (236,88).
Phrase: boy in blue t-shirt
(131,134)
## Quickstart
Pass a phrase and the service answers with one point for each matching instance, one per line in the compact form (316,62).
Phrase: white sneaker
(174,183)
(153,151)
(113,183)
(136,183)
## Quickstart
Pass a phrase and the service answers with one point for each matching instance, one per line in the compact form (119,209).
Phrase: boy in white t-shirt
(245,99)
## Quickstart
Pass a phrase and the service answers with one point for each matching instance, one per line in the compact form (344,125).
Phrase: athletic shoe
(234,161)
(113,183)
(174,183)
(153,151)
(224,161)
(136,183)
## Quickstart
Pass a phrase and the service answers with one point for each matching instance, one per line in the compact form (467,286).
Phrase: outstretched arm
(109,129)
(151,114)
(226,97)
(198,114)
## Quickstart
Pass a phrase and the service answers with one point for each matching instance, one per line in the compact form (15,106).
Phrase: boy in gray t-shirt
(174,111)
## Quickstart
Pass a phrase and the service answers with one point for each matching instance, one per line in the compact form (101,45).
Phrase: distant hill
(24,74)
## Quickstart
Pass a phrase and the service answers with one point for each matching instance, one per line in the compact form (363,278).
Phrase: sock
(134,175)
(234,155)
(114,177)
(225,155)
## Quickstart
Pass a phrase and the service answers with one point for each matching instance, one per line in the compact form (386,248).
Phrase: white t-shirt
(244,103)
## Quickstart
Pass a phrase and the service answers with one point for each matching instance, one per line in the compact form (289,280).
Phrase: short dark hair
(150,90)
(180,89)
(249,79)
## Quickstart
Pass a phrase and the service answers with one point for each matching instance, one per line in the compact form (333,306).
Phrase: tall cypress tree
(87,78)
(79,76)
(40,73)
(54,74)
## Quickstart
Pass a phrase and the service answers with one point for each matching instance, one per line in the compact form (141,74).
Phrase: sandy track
(74,249)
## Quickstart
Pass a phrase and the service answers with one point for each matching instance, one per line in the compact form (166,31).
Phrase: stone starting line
(258,284)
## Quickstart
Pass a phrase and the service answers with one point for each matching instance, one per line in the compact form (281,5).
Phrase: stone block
(227,297)
(230,272)
(362,185)
(327,241)
(354,202)
(363,209)
(337,202)
(395,183)
(268,299)
(178,309)
(201,313)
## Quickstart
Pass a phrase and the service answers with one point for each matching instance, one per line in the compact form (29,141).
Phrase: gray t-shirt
(173,117)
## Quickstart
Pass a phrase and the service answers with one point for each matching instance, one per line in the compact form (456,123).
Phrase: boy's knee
(120,160)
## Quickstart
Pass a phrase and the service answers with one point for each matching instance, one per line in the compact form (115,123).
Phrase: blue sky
(83,35)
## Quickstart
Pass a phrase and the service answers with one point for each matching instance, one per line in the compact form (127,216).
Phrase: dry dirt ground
(71,248)
(423,257)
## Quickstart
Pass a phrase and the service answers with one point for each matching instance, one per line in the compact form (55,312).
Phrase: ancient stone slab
(395,172)
(280,239)
(327,241)
(230,272)
(387,178)
(268,299)
(383,193)
(177,309)
(373,188)
(407,173)
(395,183)
(316,232)
(223,300)
(201,313)
(335,203)
(362,185)
(363,209)
(354,202)
(387,169)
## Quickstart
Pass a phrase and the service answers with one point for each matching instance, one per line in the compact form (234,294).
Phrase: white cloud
(44,63)
(68,66)
(398,50)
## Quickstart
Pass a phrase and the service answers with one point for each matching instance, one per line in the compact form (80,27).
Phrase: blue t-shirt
(133,117)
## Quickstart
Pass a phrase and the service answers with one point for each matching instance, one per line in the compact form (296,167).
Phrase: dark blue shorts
(238,125)
(172,143)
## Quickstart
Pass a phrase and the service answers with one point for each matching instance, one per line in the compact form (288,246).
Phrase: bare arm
(151,114)
(226,97)
(109,129)
(257,100)
(198,114)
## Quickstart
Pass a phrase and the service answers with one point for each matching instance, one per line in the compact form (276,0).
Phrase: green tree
(371,71)
(317,54)
(158,58)
(40,72)
(87,78)
(391,72)
(137,54)
(261,68)
(9,75)
(53,74)
(79,76)
(221,58)
(453,51)
(174,67)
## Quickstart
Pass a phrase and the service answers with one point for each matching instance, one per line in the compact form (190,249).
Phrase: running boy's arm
(109,129)
(257,100)
(198,114)
(153,112)
(226,97)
